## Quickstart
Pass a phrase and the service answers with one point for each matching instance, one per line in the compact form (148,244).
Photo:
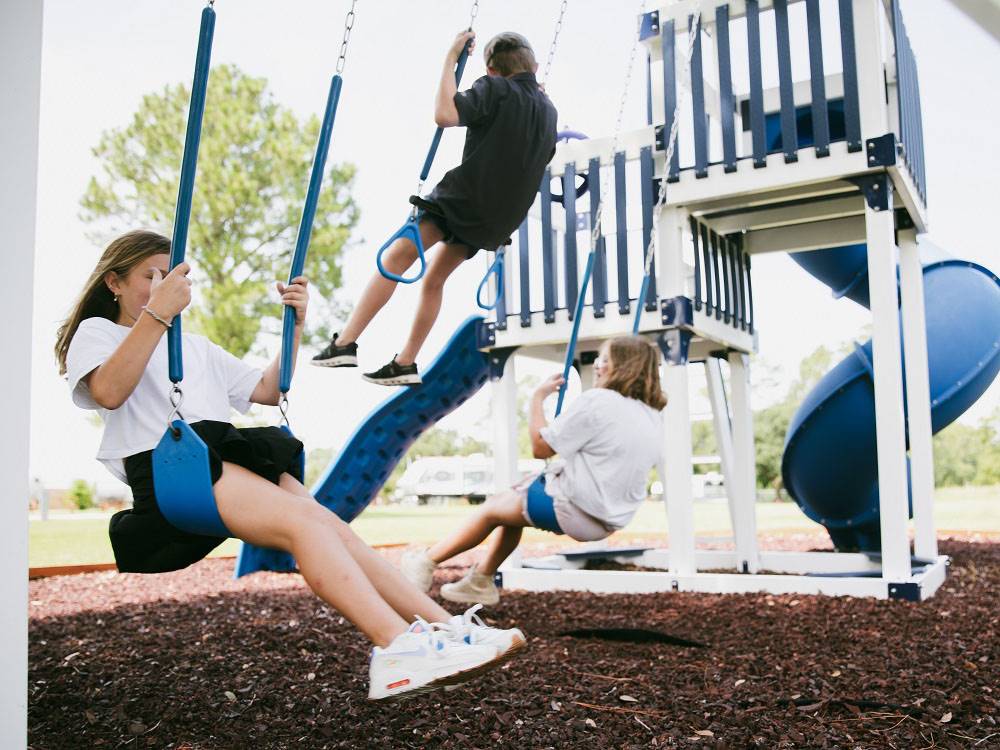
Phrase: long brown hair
(96,300)
(635,370)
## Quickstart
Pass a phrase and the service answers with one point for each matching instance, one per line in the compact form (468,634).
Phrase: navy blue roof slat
(817,81)
(716,275)
(757,127)
(599,294)
(726,103)
(648,198)
(734,280)
(700,122)
(548,250)
(852,112)
(789,136)
(742,263)
(569,238)
(697,264)
(707,255)
(621,234)
(727,297)
(524,272)
(649,89)
(670,93)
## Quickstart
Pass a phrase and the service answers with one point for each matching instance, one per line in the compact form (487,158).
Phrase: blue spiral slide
(355,476)
(829,463)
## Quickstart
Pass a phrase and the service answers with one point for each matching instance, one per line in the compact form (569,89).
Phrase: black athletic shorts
(144,541)
(433,212)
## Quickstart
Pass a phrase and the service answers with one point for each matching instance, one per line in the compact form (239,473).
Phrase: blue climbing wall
(356,475)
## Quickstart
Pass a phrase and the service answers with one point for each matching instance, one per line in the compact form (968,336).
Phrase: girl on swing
(607,441)
(113,351)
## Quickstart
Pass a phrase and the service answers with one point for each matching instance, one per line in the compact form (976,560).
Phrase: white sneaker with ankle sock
(418,568)
(469,628)
(424,658)
(473,588)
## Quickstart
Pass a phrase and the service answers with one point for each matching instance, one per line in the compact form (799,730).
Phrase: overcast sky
(100,57)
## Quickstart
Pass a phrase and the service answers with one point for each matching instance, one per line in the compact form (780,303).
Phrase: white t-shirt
(609,443)
(214,381)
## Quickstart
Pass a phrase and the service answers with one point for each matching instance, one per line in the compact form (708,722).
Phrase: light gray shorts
(576,524)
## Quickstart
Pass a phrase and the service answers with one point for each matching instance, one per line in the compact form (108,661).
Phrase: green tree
(253,170)
(82,494)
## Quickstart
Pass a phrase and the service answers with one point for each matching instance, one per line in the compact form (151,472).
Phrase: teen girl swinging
(113,352)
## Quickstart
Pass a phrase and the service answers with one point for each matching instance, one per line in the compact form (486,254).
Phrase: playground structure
(830,169)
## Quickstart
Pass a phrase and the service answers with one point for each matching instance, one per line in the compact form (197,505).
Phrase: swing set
(181,470)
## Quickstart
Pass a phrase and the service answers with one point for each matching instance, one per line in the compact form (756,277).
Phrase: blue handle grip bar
(571,349)
(436,140)
(496,268)
(410,230)
(189,166)
(640,303)
(305,229)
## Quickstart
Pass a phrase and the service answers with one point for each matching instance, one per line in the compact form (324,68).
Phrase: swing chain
(283,408)
(555,41)
(595,234)
(473,13)
(661,197)
(176,399)
(348,26)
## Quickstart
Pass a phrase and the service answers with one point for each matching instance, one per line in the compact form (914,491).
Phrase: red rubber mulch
(196,660)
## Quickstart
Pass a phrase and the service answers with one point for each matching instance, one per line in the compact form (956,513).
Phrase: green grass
(85,540)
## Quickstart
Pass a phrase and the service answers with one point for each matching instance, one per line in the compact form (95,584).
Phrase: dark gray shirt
(510,138)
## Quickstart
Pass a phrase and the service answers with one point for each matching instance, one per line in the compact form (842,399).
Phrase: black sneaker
(394,374)
(337,356)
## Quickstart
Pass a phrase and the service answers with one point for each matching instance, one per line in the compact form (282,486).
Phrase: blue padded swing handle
(640,303)
(305,229)
(571,349)
(496,268)
(411,230)
(189,166)
(463,58)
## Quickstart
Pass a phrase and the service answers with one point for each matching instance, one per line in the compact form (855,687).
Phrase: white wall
(20,81)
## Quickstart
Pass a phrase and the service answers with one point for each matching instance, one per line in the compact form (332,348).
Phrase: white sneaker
(473,588)
(469,628)
(418,568)
(423,659)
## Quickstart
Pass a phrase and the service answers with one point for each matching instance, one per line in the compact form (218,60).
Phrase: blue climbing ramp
(829,464)
(355,476)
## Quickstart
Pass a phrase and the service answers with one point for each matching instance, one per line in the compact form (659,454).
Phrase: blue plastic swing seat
(182,481)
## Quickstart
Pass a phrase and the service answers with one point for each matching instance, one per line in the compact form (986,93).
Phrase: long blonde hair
(635,370)
(96,300)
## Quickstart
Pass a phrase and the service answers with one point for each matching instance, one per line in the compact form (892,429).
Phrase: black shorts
(144,541)
(432,211)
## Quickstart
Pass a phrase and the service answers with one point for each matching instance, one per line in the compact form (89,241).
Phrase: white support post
(677,419)
(677,463)
(888,367)
(869,17)
(745,483)
(723,432)
(503,403)
(586,377)
(21,61)
(918,395)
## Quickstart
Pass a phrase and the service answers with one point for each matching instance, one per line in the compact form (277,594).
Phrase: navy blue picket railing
(908,96)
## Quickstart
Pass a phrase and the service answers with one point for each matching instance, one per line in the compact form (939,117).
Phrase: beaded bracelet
(157,318)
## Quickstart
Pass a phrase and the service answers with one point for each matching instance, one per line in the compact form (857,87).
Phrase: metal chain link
(555,41)
(661,197)
(473,13)
(348,26)
(595,233)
